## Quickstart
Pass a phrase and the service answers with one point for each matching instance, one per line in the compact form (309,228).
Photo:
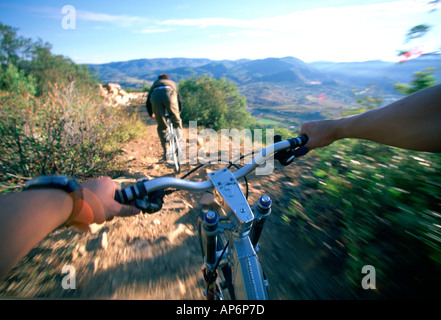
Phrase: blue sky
(332,30)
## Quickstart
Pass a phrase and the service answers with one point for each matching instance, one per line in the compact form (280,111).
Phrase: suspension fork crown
(210,218)
(264,204)
(210,227)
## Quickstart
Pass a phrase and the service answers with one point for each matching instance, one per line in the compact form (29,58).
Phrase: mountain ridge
(242,70)
(133,73)
(383,74)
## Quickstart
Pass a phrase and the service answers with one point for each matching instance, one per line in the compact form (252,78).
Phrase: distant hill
(379,73)
(283,88)
(133,73)
(287,69)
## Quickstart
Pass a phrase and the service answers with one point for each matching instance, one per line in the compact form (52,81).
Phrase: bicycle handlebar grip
(304,138)
(119,196)
(299,141)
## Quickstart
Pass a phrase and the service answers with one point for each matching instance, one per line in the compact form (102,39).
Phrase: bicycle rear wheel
(176,154)
(174,149)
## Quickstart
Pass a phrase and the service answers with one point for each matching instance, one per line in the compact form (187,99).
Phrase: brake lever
(146,202)
(151,203)
(286,157)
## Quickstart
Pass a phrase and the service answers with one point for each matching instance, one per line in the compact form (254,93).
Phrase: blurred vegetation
(376,205)
(372,204)
(52,119)
(421,79)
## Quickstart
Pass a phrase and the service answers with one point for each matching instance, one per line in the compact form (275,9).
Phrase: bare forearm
(413,122)
(26,219)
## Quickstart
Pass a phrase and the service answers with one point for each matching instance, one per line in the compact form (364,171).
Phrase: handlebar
(144,188)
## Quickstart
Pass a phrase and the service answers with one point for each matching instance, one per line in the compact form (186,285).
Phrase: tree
(214,103)
(417,32)
(13,48)
(421,80)
(49,69)
(34,60)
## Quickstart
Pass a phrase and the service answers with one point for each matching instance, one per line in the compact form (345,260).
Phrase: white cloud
(207,22)
(251,33)
(329,17)
(369,31)
(121,20)
(152,30)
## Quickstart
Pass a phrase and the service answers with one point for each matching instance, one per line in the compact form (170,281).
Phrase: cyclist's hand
(101,200)
(320,133)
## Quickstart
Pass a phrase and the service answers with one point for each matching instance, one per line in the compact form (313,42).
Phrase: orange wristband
(82,214)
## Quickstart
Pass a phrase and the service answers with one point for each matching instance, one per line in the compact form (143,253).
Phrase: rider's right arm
(28,217)
(411,123)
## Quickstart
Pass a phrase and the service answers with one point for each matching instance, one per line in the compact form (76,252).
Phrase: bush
(63,132)
(52,120)
(421,79)
(213,103)
(380,206)
(15,81)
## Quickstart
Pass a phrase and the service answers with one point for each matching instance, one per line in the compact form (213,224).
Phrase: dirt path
(158,256)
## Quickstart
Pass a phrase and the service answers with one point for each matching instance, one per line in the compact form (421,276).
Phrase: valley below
(281,88)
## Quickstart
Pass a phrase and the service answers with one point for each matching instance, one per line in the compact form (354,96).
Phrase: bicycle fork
(210,227)
(261,210)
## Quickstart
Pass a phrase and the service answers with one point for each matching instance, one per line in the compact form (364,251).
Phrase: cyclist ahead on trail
(163,96)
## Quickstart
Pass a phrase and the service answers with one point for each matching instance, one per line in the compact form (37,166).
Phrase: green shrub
(213,104)
(15,81)
(63,132)
(379,206)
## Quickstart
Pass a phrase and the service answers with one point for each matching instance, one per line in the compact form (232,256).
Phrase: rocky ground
(158,256)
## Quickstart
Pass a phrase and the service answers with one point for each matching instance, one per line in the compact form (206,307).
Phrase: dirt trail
(158,256)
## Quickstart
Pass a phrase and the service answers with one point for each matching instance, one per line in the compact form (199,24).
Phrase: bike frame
(242,224)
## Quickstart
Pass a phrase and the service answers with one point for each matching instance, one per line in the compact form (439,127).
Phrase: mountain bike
(174,155)
(229,237)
